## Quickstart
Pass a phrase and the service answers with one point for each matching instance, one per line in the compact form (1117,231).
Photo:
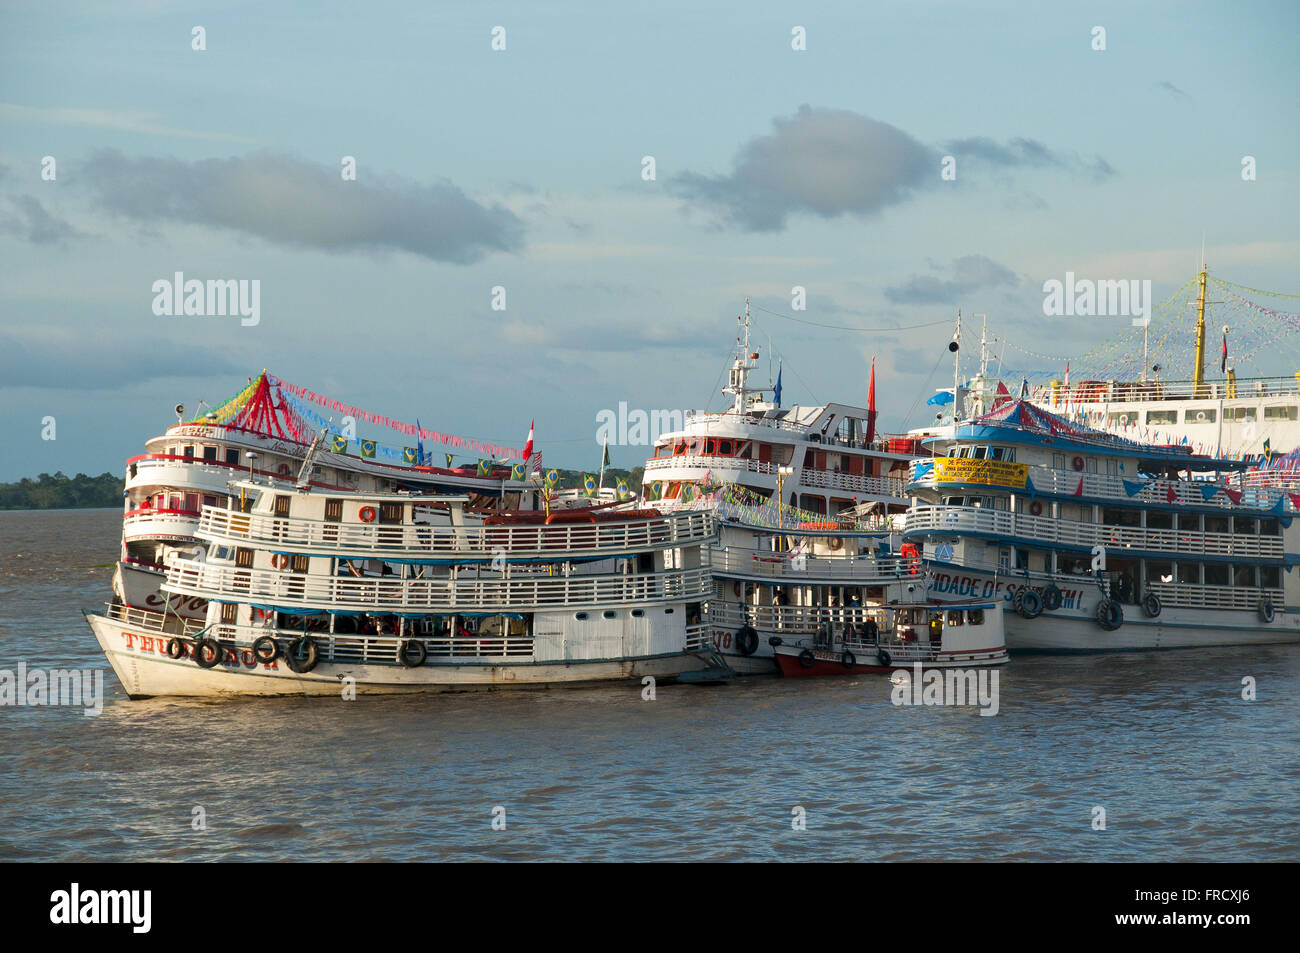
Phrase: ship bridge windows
(1280,413)
(1158,417)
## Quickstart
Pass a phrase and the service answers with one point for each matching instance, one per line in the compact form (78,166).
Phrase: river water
(1184,768)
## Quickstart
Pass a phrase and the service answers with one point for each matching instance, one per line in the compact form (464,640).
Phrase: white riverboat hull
(1073,627)
(139,658)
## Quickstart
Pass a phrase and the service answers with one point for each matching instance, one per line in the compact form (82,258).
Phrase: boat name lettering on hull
(157,645)
(979,587)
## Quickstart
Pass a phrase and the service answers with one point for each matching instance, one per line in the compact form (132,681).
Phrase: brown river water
(1184,768)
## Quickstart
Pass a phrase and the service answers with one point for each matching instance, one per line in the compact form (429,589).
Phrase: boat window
(610,614)
(1159,520)
(1058,461)
(580,616)
(187,452)
(1162,416)
(1280,413)
(1239,413)
(1189,521)
(1216,574)
(1112,466)
(999,453)
(1203,416)
(979,453)
(638,613)
(975,616)
(1268,527)
(232,457)
(709,446)
(1245,524)
(1092,465)
(1244,576)
(954,617)
(724,447)
(1270,577)
(210,454)
(668,612)
(1216,524)
(1189,574)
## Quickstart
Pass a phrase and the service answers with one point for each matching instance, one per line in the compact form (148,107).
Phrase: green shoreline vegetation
(61,492)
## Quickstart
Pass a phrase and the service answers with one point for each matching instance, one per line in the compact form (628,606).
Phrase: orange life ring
(1036,508)
(279,561)
(1077,463)
(367,514)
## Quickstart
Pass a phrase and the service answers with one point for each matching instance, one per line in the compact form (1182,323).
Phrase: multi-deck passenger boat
(803,495)
(308,590)
(1098,543)
(957,635)
(262,432)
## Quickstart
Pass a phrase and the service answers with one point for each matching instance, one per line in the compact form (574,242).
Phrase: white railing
(699,636)
(852,483)
(152,621)
(1049,480)
(557,542)
(199,475)
(1119,392)
(385,594)
(1214,597)
(160,522)
(787,620)
(716,464)
(792,567)
(956,520)
(382,649)
(744,420)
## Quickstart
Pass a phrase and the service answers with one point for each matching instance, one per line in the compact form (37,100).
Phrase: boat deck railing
(443,594)
(558,542)
(1046,530)
(150,621)
(860,570)
(1116,392)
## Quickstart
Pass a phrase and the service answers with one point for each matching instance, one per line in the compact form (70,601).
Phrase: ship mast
(740,368)
(1198,371)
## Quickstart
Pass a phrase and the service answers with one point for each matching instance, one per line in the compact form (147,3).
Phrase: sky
(524,169)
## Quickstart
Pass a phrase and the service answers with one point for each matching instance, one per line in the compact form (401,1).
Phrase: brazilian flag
(623,492)
(552,479)
(652,491)
(589,484)
(517,472)
(408,455)
(368,449)
(485,468)
(340,444)
(448,456)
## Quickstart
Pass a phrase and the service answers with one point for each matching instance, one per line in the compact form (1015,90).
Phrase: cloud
(122,120)
(292,202)
(32,223)
(1173,90)
(1029,153)
(968,274)
(823,162)
(86,360)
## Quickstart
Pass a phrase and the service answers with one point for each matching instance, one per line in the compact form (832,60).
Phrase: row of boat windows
(1167,571)
(1007,454)
(1203,415)
(612,614)
(1155,519)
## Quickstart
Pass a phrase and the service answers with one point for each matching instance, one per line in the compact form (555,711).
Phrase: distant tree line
(60,491)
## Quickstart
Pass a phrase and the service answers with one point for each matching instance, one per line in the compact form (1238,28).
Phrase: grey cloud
(1029,153)
(90,361)
(289,201)
(824,162)
(31,222)
(966,274)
